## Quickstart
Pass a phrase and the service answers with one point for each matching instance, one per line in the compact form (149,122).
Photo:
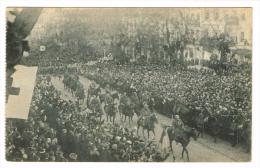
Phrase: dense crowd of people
(227,96)
(57,130)
(150,73)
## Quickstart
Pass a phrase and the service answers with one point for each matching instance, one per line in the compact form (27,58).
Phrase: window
(216,15)
(207,15)
(242,36)
(198,16)
(243,16)
(226,16)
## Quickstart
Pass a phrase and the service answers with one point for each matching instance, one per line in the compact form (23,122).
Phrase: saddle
(178,131)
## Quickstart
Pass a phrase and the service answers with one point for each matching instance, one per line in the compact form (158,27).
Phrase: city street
(202,150)
(173,71)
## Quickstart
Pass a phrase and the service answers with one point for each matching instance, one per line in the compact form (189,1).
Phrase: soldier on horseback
(135,103)
(95,105)
(147,122)
(200,121)
(110,107)
(125,107)
(177,126)
(116,101)
(177,122)
(145,112)
(108,99)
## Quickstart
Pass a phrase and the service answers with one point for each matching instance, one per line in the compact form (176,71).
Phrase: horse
(127,111)
(96,107)
(214,126)
(180,135)
(80,94)
(137,107)
(120,108)
(110,110)
(125,107)
(147,123)
(200,122)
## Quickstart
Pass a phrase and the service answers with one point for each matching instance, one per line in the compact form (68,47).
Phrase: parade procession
(129,85)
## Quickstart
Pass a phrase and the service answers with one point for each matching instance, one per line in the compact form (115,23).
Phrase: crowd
(57,130)
(227,96)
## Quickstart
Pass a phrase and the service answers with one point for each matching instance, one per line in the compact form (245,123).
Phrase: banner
(18,105)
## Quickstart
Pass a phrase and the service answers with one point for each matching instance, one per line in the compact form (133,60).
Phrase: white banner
(18,106)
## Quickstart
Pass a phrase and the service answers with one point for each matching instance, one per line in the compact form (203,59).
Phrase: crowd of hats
(227,95)
(58,130)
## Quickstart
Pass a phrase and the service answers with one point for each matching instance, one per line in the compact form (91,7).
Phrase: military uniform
(95,105)
(177,126)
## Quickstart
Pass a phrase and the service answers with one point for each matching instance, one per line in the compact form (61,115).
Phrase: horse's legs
(234,140)
(153,133)
(199,134)
(182,152)
(120,114)
(202,132)
(170,141)
(187,154)
(148,133)
(138,126)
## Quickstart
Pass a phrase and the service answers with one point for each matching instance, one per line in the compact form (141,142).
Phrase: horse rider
(108,99)
(201,118)
(95,105)
(123,101)
(145,111)
(177,124)
(116,103)
(135,101)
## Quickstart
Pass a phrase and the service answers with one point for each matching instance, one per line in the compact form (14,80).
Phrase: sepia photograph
(164,84)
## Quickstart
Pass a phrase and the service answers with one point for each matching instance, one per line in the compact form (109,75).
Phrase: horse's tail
(163,134)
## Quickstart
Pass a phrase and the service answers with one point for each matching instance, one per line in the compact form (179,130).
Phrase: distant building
(237,27)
